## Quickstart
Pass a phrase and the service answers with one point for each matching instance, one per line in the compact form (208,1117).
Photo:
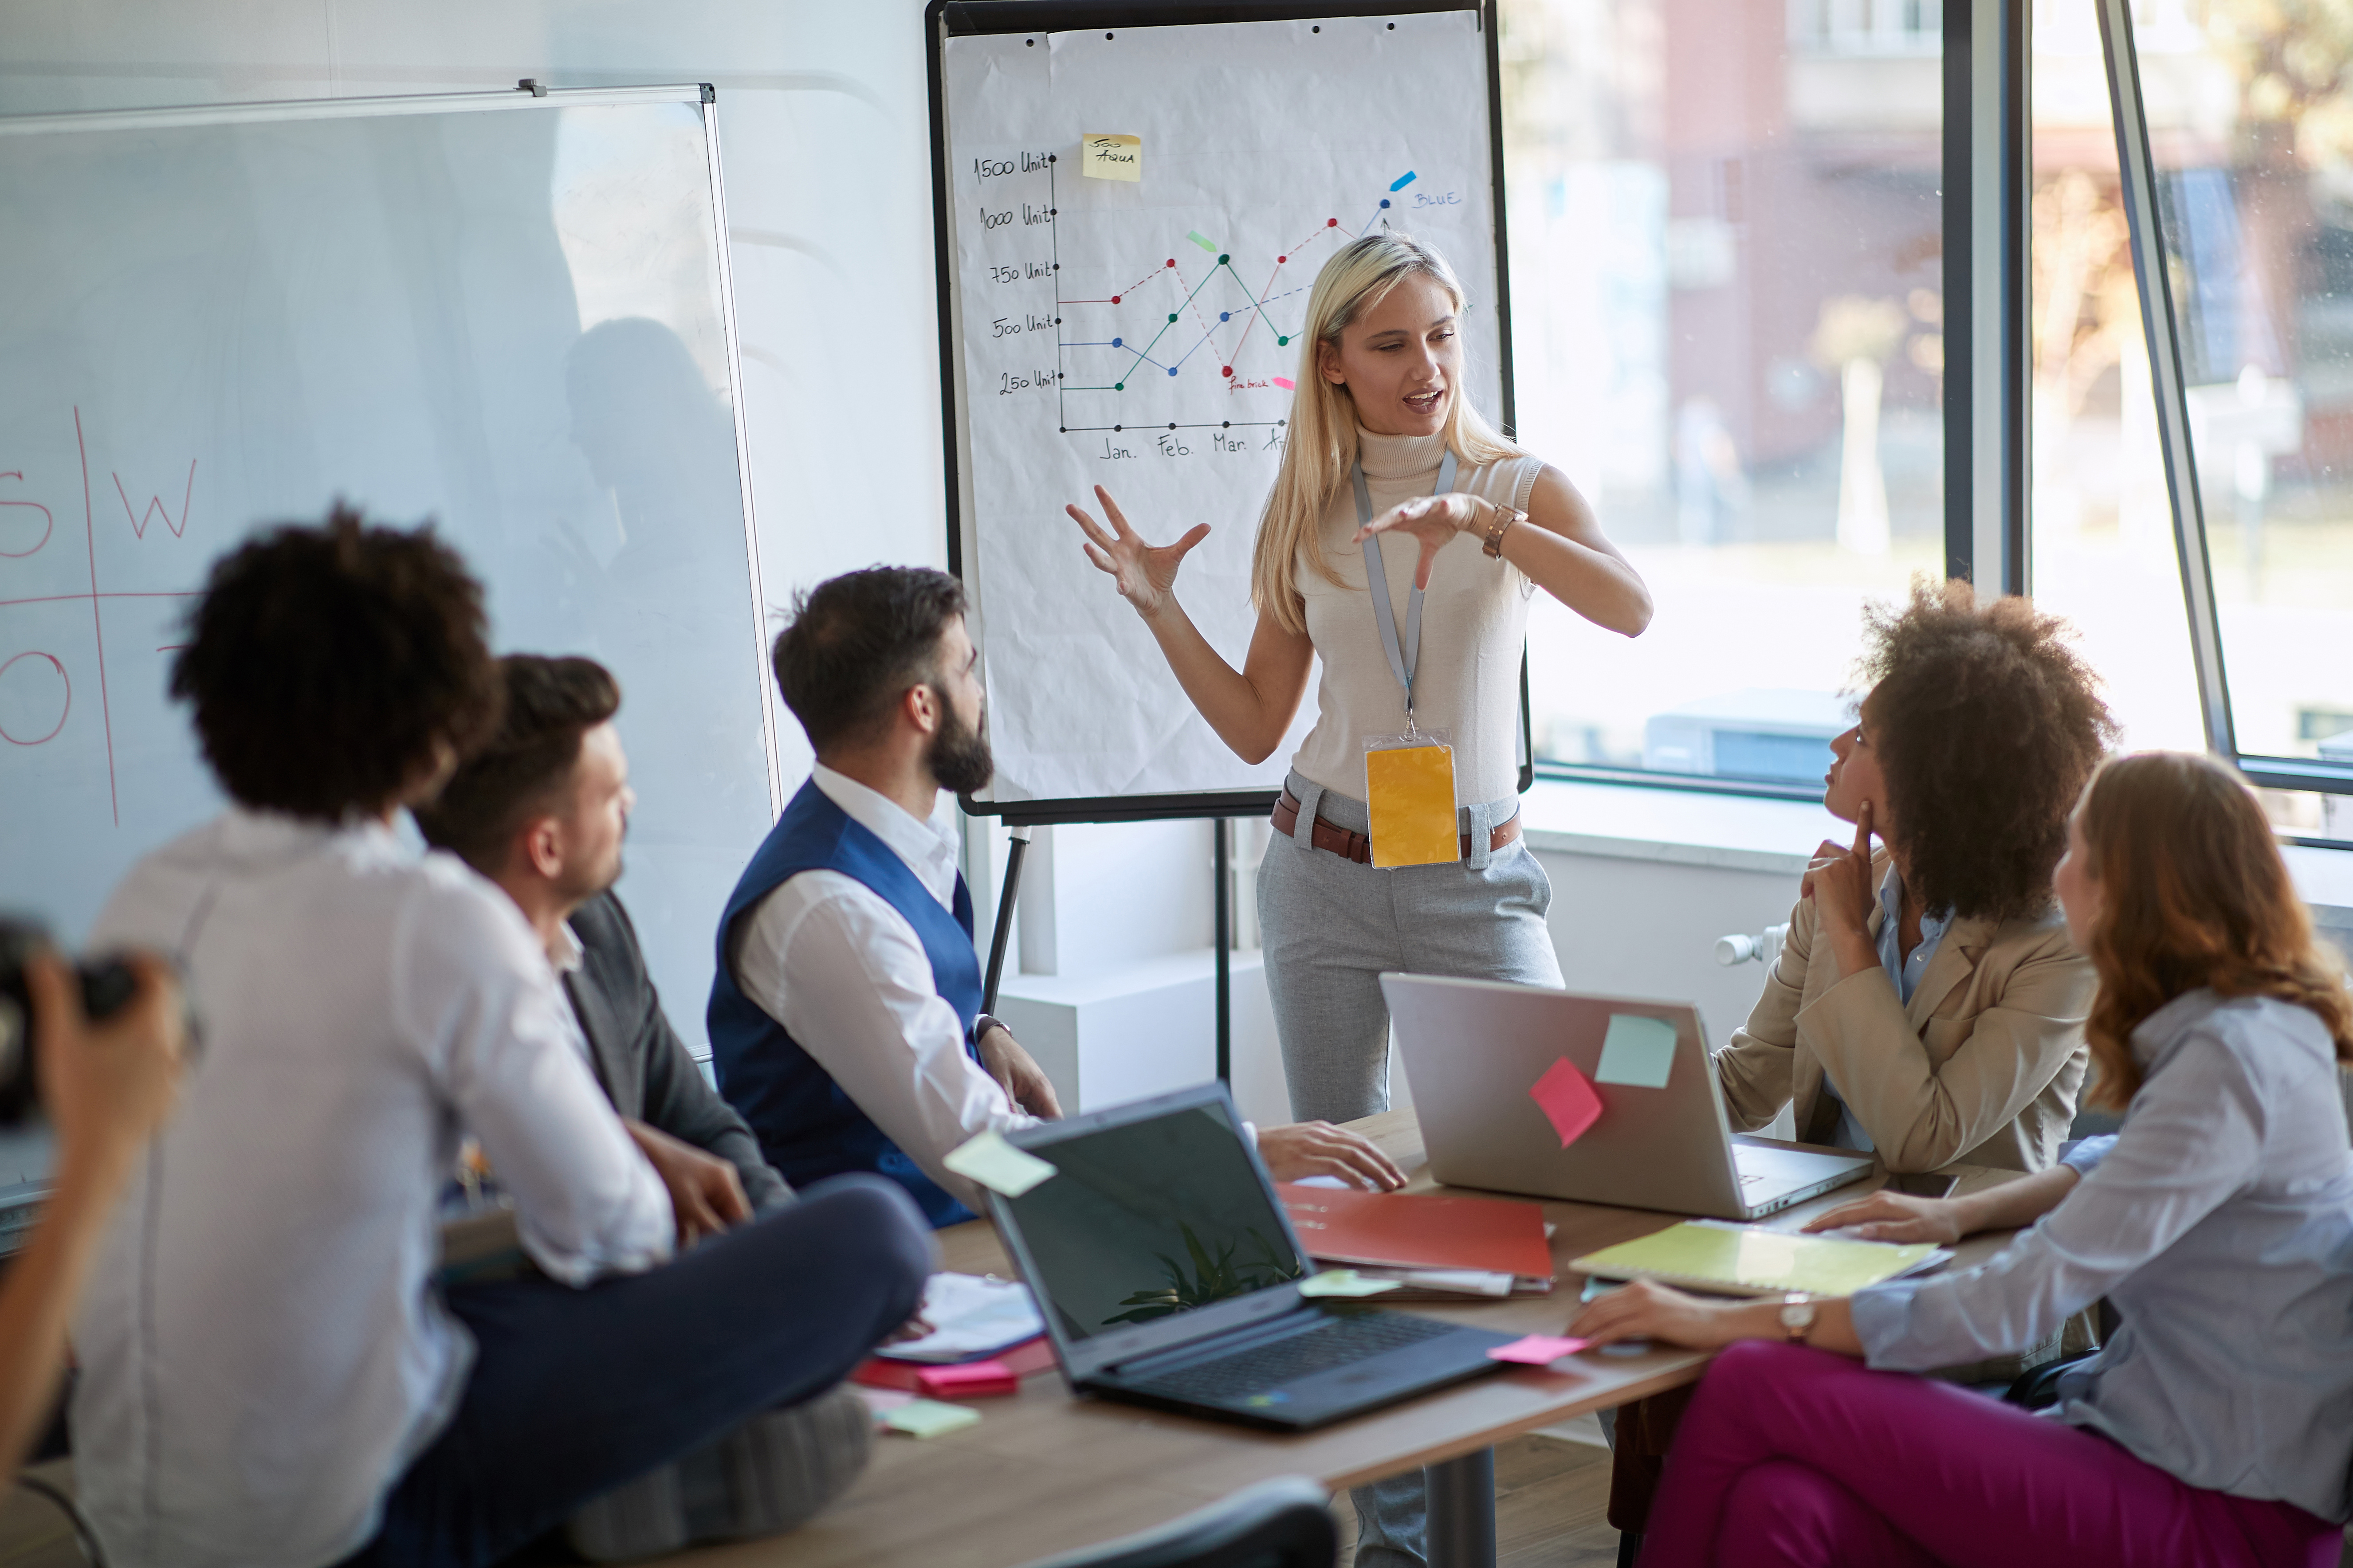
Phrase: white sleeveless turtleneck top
(1474,617)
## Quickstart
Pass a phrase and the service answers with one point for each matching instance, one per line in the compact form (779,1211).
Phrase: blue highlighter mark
(1402,181)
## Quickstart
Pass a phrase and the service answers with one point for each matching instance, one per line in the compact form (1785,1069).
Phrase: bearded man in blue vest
(845,1017)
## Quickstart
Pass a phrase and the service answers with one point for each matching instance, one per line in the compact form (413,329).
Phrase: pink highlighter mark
(1566,1100)
(1284,382)
(1536,1350)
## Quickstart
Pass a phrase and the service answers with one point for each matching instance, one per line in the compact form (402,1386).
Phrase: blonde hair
(1321,445)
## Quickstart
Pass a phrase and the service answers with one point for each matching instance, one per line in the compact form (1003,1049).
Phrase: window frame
(2143,220)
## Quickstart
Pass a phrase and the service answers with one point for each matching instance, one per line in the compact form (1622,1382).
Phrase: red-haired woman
(2217,1426)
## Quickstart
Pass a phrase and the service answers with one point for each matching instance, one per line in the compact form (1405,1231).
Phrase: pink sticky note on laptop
(1566,1100)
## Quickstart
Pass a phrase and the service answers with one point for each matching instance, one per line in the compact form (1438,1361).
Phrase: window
(2249,109)
(2102,534)
(1727,242)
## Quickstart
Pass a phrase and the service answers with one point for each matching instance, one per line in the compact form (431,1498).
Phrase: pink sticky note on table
(1536,1350)
(1566,1100)
(969,1380)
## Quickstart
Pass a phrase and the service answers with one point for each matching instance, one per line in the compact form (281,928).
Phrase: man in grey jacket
(541,811)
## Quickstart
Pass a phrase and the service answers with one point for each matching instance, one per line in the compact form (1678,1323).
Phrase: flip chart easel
(1142,332)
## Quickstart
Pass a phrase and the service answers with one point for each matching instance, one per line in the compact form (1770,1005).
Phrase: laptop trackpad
(1761,1165)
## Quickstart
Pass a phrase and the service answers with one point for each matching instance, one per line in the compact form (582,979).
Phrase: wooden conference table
(1045,1473)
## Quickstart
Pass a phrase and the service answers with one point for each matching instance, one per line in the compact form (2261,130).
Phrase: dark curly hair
(1987,725)
(326,662)
(523,771)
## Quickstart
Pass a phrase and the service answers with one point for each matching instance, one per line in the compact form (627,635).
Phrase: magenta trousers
(1789,1456)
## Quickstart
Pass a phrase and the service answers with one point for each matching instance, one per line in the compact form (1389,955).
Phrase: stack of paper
(971,1317)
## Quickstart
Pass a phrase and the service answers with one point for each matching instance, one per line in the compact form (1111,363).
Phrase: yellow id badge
(1410,796)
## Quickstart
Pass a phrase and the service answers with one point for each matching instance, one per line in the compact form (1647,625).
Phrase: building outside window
(2250,112)
(1726,249)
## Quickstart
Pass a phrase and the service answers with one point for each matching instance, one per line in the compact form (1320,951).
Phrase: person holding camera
(107,1085)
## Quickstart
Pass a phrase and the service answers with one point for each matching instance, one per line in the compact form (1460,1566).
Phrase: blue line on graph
(1401,183)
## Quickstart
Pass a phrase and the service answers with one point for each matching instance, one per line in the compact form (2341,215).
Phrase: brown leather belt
(1356,846)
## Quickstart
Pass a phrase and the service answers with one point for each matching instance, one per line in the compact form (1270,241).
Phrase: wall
(825,131)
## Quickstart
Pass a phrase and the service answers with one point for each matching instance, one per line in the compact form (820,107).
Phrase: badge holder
(1408,778)
(1410,798)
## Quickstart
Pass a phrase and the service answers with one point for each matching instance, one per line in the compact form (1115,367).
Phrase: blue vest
(808,1127)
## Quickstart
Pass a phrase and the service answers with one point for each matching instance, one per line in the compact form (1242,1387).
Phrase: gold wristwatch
(1796,1316)
(1505,517)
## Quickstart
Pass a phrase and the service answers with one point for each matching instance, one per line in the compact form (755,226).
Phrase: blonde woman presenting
(1385,449)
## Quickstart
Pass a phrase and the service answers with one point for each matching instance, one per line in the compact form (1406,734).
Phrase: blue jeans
(575,1392)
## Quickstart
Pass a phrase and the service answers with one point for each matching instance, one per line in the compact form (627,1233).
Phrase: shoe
(773,1473)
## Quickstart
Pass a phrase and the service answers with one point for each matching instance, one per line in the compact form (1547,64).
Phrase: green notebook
(1750,1260)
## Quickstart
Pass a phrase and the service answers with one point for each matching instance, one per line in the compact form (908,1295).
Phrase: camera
(106,985)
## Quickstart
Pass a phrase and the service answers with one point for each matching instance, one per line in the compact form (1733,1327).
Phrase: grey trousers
(1329,927)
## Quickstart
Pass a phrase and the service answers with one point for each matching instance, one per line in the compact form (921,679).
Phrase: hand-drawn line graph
(95,597)
(1183,317)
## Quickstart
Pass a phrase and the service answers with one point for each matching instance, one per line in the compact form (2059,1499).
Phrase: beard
(958,756)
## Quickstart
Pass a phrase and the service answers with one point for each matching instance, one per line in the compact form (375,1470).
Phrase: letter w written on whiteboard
(155,507)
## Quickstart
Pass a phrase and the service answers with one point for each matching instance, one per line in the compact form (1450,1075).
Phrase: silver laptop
(1473,1050)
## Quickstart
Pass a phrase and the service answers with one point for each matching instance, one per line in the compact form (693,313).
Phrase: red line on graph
(1259,309)
(1193,302)
(89,532)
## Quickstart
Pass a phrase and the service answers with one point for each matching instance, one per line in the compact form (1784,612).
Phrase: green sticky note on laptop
(1638,1052)
(997,1164)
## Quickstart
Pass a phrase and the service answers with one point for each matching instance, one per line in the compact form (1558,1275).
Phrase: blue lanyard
(1402,660)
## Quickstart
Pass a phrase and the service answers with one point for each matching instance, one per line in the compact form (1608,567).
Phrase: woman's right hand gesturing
(1145,573)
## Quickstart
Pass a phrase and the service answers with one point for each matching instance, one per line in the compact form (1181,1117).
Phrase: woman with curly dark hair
(1928,1004)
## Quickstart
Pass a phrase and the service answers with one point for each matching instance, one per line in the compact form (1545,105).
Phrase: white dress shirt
(262,1350)
(829,959)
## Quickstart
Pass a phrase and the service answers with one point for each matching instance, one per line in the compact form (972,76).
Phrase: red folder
(1420,1230)
(876,1371)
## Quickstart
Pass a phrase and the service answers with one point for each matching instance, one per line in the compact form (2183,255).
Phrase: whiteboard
(504,314)
(1143,335)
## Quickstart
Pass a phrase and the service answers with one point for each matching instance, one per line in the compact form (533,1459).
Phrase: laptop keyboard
(1342,1340)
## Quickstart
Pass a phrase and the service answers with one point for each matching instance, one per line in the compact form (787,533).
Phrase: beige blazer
(1984,1065)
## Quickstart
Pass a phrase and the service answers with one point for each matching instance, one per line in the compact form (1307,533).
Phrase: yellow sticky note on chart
(1104,157)
(1409,797)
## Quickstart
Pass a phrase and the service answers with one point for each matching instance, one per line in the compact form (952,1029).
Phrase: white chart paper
(1145,335)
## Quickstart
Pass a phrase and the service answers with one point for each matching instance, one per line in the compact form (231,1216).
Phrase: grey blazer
(644,1068)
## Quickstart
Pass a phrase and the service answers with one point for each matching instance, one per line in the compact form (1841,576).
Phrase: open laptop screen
(1146,1220)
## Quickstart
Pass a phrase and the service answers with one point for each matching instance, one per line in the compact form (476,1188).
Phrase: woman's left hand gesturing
(1434,520)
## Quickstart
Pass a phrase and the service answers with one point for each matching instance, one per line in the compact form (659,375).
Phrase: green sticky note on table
(998,1164)
(1638,1052)
(929,1418)
(1344,1282)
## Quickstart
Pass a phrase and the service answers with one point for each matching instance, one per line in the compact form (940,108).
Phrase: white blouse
(1474,617)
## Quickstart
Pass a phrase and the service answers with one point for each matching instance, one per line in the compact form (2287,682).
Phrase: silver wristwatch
(1796,1316)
